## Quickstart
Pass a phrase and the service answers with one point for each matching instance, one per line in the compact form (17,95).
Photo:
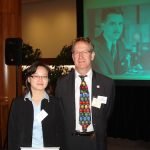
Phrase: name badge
(98,101)
(41,115)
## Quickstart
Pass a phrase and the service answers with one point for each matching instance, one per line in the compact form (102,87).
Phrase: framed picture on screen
(120,32)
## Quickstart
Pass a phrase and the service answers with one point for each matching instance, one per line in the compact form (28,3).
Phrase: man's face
(113,27)
(82,56)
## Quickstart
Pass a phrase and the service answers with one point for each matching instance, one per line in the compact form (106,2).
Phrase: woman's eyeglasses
(36,77)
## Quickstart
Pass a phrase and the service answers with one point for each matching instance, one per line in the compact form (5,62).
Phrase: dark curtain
(131,115)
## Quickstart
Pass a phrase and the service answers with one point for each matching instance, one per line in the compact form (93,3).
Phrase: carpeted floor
(125,144)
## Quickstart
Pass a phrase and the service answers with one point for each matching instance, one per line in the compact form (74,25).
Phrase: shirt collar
(28,96)
(89,74)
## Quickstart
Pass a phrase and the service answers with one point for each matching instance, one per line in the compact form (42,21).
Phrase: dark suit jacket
(65,90)
(21,123)
(104,62)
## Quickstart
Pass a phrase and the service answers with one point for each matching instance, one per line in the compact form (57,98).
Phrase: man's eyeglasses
(83,53)
(36,77)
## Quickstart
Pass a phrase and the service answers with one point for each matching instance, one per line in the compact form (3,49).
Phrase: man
(101,96)
(111,56)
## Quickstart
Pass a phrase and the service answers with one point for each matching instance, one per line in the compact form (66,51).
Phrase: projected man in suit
(111,56)
(101,93)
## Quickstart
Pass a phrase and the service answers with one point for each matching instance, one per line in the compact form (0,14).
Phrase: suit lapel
(71,99)
(97,90)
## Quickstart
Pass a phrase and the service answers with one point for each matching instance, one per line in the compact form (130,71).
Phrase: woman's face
(39,80)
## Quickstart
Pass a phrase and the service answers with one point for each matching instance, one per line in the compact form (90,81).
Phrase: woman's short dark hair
(31,70)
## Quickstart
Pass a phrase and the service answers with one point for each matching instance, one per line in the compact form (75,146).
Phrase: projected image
(121,36)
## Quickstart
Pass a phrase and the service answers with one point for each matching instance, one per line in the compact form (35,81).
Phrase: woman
(35,118)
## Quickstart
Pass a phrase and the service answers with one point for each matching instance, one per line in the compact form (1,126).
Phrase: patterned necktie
(84,110)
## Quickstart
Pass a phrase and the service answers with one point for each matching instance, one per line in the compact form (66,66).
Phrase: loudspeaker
(13,51)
